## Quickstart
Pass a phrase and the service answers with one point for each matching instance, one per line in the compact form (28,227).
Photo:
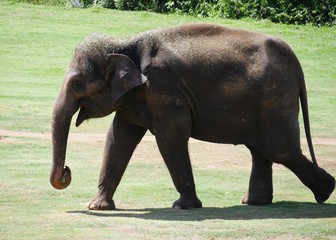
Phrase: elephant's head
(94,83)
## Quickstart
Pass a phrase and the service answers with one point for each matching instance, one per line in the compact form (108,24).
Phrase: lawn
(36,44)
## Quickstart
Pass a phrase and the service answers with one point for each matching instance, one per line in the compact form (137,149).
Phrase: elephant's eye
(78,87)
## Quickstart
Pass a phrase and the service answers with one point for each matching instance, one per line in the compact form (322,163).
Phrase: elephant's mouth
(87,112)
(82,116)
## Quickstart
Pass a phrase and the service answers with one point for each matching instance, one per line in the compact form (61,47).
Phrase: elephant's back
(200,46)
(220,58)
(204,31)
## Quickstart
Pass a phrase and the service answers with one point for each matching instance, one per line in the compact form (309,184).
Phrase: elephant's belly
(234,129)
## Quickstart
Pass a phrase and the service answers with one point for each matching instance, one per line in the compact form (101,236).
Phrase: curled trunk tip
(61,179)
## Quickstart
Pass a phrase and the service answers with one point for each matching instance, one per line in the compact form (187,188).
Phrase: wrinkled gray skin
(203,81)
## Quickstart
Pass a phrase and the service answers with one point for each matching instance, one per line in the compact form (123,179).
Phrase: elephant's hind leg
(321,183)
(260,187)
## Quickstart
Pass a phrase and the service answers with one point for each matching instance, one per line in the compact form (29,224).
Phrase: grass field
(36,44)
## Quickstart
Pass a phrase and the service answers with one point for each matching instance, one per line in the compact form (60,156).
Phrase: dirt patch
(202,154)
(8,135)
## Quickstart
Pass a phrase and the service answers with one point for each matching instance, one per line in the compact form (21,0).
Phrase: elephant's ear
(123,75)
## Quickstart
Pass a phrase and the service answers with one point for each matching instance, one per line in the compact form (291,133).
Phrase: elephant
(203,81)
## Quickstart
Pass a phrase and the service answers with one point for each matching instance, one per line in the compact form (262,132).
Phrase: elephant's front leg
(176,157)
(172,135)
(121,141)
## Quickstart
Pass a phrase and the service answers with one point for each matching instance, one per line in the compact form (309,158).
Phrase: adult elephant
(208,82)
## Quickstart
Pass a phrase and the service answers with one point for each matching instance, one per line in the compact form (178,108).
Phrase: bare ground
(8,135)
(217,155)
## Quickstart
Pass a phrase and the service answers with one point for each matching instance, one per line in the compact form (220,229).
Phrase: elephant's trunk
(60,176)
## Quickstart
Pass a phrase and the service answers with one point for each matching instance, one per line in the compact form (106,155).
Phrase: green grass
(36,44)
(31,209)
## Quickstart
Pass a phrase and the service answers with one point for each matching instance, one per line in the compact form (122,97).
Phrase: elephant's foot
(254,199)
(325,185)
(101,203)
(187,202)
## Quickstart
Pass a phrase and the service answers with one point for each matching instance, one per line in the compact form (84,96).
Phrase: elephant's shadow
(278,210)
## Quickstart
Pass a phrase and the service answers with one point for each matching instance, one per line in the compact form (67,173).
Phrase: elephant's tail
(305,114)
